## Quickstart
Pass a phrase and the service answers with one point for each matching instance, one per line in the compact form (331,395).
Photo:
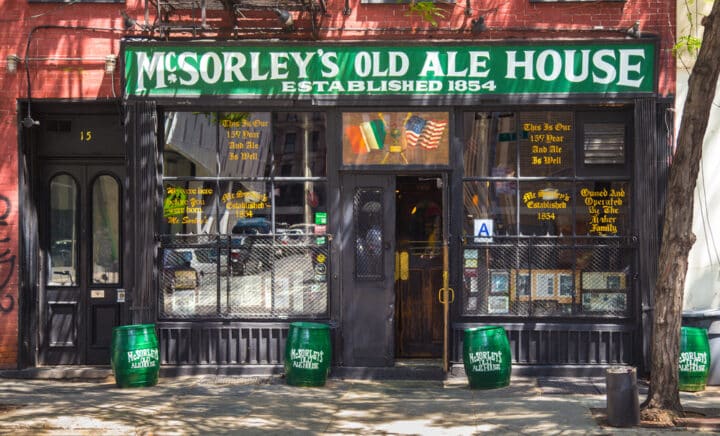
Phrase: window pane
(191,144)
(603,208)
(106,249)
(490,144)
(186,291)
(189,207)
(245,207)
(547,144)
(494,201)
(300,148)
(244,144)
(546,208)
(298,203)
(396,138)
(63,229)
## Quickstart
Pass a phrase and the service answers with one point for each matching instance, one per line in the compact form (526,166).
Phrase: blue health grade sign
(224,70)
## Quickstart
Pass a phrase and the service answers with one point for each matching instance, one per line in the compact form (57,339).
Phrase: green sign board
(211,69)
(321,218)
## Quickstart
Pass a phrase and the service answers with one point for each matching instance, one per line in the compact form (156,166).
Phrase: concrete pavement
(210,405)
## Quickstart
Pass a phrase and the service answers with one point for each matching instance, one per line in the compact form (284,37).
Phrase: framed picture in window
(566,286)
(520,284)
(604,280)
(499,282)
(471,304)
(498,304)
(544,285)
(604,301)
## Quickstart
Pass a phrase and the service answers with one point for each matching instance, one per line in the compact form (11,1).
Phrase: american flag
(424,133)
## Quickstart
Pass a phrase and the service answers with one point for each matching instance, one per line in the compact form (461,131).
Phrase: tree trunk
(677,238)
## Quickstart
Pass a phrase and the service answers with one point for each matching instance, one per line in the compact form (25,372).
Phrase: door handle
(449,292)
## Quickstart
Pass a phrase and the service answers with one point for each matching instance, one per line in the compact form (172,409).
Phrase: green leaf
(429,11)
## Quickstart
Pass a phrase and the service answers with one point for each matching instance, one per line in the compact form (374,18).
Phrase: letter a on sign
(483,230)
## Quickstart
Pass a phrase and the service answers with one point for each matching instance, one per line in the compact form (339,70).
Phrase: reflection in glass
(191,140)
(490,200)
(241,201)
(298,203)
(490,144)
(189,207)
(300,149)
(244,144)
(249,244)
(63,231)
(106,230)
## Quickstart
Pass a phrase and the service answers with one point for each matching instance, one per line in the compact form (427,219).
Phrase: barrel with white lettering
(694,362)
(486,357)
(135,357)
(307,354)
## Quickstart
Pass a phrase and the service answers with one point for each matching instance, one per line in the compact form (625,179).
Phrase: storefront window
(238,239)
(396,138)
(544,236)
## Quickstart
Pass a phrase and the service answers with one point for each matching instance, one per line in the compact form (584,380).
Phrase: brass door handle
(450,292)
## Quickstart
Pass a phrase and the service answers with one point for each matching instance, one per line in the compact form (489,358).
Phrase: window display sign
(606,208)
(547,144)
(187,205)
(196,69)
(397,138)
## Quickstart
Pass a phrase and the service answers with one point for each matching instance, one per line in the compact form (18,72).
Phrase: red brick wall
(86,79)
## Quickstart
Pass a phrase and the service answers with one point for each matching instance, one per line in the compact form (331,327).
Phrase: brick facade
(67,44)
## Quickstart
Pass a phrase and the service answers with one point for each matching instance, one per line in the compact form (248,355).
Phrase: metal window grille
(243,276)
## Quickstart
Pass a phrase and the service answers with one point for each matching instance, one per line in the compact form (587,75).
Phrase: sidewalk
(212,405)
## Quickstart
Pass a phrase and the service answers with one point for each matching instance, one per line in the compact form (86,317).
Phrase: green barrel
(694,362)
(135,357)
(486,356)
(307,354)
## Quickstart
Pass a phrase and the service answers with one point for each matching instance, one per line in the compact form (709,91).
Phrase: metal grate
(368,213)
(548,277)
(604,143)
(562,344)
(243,276)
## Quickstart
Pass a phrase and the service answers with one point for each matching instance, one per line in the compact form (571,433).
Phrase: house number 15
(86,135)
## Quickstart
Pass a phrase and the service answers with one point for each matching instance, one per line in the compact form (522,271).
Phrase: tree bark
(677,238)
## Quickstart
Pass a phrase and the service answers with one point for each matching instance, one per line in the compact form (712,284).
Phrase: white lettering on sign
(484,361)
(225,70)
(607,65)
(304,358)
(692,361)
(143,358)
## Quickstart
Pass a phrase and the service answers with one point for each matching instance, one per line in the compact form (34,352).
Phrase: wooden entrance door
(419,315)
(81,249)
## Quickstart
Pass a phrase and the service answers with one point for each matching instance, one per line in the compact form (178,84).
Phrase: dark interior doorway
(418,267)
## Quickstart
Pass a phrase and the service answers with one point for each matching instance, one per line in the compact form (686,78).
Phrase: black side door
(368,268)
(81,250)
